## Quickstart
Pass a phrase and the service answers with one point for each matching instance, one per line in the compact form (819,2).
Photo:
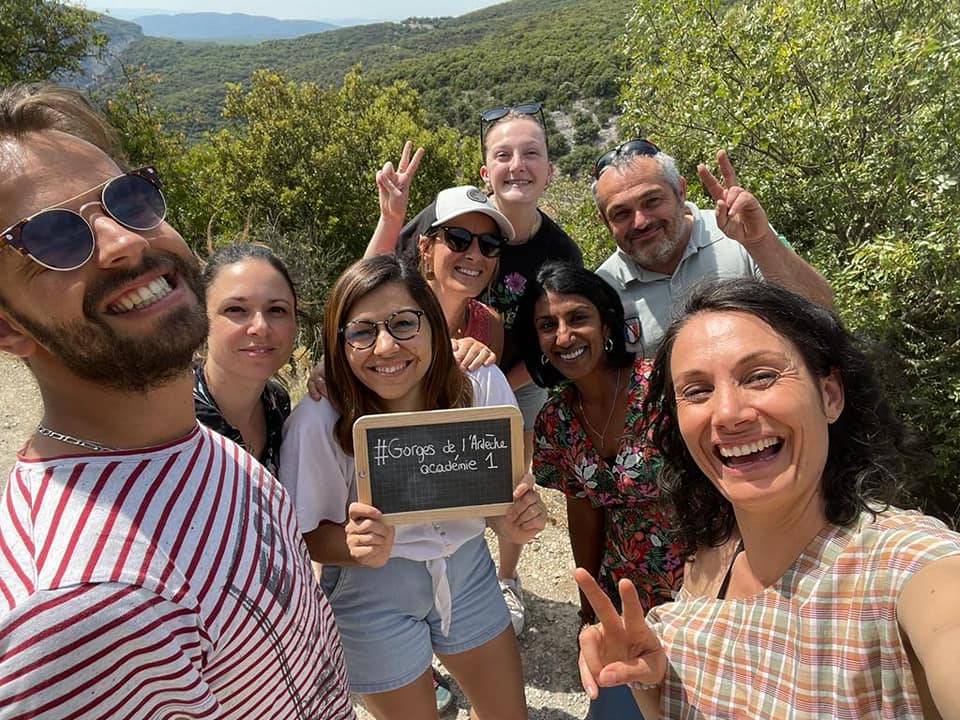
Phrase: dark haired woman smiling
(401,593)
(840,605)
(591,443)
(252,306)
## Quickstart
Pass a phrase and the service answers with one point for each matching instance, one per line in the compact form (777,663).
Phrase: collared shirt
(651,299)
(276,409)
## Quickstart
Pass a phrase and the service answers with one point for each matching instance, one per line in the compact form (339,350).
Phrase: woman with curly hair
(772,426)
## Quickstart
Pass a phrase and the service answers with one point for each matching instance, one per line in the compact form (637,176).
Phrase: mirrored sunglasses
(402,325)
(61,239)
(459,239)
(629,148)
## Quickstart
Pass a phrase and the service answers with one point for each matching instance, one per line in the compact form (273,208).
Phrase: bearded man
(666,245)
(148,566)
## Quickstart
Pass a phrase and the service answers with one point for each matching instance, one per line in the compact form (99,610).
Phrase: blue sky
(304,9)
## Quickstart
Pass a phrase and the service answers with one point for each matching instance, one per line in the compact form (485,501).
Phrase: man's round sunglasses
(402,325)
(61,239)
(458,239)
(629,148)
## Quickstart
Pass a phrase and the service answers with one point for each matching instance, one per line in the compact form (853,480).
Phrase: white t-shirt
(165,582)
(320,476)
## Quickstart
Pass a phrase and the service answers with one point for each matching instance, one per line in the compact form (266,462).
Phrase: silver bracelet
(643,686)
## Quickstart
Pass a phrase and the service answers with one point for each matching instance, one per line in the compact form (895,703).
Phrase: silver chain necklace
(71,440)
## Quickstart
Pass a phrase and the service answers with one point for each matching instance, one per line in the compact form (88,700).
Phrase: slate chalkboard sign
(439,464)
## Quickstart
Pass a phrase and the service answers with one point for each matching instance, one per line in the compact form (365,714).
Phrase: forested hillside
(558,51)
(842,118)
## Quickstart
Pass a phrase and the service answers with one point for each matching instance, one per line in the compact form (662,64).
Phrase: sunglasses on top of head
(489,116)
(61,239)
(630,148)
(459,239)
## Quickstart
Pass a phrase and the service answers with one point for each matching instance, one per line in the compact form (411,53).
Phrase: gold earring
(426,267)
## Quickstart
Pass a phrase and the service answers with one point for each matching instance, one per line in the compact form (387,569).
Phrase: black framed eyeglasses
(630,148)
(489,116)
(459,239)
(402,325)
(61,239)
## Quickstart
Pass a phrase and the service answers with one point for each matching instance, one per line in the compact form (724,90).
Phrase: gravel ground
(19,410)
(548,643)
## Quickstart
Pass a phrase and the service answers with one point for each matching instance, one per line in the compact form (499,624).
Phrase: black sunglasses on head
(629,148)
(61,239)
(495,113)
(491,115)
(458,239)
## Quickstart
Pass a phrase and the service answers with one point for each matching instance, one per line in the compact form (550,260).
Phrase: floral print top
(638,544)
(276,407)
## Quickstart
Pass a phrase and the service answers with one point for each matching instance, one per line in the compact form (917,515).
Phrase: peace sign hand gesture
(393,185)
(739,214)
(620,649)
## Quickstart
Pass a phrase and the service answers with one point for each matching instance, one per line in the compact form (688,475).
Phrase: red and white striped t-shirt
(170,582)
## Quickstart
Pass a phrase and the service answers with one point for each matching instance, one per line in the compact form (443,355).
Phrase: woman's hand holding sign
(369,539)
(525,518)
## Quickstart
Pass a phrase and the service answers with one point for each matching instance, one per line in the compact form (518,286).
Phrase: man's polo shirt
(651,299)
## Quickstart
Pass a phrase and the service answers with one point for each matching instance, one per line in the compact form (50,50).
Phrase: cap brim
(506,229)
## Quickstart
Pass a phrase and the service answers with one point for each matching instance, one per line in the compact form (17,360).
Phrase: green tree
(304,157)
(555,51)
(150,135)
(570,203)
(44,38)
(843,118)
(578,163)
(295,168)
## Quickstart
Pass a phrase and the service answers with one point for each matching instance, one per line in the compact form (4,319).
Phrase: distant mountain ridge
(561,52)
(211,26)
(120,34)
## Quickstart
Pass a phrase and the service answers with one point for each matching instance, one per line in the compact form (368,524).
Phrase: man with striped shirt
(149,568)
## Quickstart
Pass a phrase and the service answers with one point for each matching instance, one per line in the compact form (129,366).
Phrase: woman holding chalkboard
(516,171)
(401,593)
(590,443)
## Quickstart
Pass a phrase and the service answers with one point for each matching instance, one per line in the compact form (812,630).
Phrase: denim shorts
(614,703)
(530,398)
(389,625)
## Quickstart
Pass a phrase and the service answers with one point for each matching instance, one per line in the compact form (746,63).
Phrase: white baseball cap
(456,201)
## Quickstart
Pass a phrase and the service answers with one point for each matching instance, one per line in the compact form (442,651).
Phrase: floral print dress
(638,543)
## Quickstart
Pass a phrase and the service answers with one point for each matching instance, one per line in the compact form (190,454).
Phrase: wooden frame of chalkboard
(439,464)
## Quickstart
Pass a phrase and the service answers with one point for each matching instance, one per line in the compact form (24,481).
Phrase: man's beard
(656,254)
(665,248)
(95,352)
